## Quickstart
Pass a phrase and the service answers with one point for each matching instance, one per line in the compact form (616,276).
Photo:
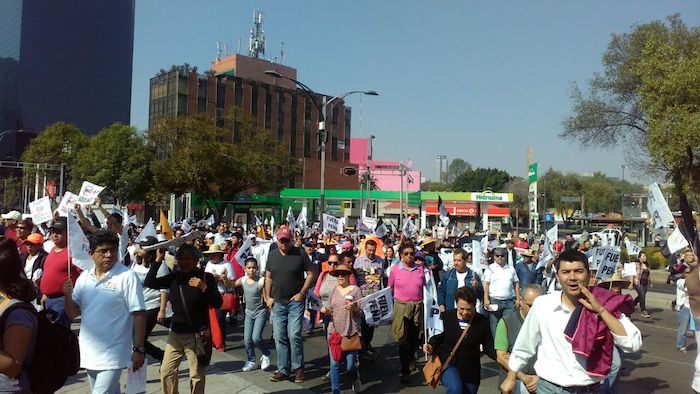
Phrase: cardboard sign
(67,204)
(378,307)
(332,224)
(608,264)
(88,193)
(41,210)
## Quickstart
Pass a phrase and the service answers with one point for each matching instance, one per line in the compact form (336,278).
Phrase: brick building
(275,104)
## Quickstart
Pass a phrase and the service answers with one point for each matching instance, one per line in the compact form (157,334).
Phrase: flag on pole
(408,227)
(676,241)
(186,226)
(290,219)
(546,255)
(381,230)
(257,220)
(165,226)
(149,230)
(301,221)
(210,221)
(78,245)
(444,215)
(553,234)
(431,309)
(272,224)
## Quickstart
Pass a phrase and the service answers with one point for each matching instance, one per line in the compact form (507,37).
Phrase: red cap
(283,233)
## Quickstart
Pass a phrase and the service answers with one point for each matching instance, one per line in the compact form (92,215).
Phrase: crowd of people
(553,328)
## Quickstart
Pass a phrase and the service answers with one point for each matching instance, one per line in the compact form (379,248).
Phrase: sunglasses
(499,255)
(285,240)
(334,262)
(408,253)
(20,227)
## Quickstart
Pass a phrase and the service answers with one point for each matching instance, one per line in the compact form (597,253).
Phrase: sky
(473,80)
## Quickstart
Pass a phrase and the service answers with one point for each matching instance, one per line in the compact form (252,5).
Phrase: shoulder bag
(202,341)
(432,371)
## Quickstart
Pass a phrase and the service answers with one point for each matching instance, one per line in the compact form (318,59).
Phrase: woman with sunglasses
(325,285)
(407,280)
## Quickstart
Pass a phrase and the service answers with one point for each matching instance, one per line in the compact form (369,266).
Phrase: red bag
(230,303)
(217,340)
(334,341)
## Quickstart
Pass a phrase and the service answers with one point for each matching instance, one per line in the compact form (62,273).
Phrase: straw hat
(614,280)
(213,249)
(528,253)
(342,268)
(427,241)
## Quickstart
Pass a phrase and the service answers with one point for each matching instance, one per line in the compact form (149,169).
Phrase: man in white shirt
(559,369)
(109,297)
(501,289)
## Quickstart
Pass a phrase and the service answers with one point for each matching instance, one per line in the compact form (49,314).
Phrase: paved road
(659,368)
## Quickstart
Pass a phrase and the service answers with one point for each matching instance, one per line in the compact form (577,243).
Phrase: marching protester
(432,257)
(465,333)
(19,325)
(57,269)
(109,299)
(369,269)
(642,283)
(345,326)
(527,270)
(315,258)
(10,221)
(545,330)
(285,290)
(33,261)
(682,311)
(192,292)
(256,315)
(223,274)
(407,281)
(459,276)
(501,289)
(506,334)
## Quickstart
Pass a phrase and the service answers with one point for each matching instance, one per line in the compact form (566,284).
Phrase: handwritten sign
(332,224)
(608,264)
(88,193)
(67,204)
(378,307)
(41,210)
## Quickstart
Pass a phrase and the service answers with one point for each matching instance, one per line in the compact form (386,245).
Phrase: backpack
(56,354)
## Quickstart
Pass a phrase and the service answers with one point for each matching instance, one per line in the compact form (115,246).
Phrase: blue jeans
(610,384)
(350,369)
(505,308)
(252,333)
(287,322)
(454,384)
(56,305)
(683,322)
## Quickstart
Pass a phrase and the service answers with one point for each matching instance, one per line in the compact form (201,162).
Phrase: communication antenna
(218,51)
(256,42)
(282,53)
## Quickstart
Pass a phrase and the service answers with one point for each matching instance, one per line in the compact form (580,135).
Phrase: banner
(632,249)
(378,307)
(608,263)
(88,193)
(477,257)
(78,245)
(676,241)
(431,309)
(41,210)
(67,204)
(332,224)
(659,213)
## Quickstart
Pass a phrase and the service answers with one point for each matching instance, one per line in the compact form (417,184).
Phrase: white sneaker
(249,366)
(264,362)
(357,384)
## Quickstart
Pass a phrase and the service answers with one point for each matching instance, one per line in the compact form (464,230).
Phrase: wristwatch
(140,349)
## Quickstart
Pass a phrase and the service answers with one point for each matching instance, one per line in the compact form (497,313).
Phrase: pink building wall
(385,173)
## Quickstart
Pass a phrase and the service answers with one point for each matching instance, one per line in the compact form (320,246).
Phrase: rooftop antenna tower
(256,42)
(218,51)
(282,53)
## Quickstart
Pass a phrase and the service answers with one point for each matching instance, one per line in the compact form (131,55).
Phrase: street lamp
(323,136)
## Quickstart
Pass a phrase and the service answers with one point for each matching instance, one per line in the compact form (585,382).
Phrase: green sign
(532,172)
(488,197)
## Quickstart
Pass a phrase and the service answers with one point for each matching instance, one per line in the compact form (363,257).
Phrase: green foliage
(195,155)
(480,179)
(456,167)
(58,143)
(429,186)
(117,158)
(654,257)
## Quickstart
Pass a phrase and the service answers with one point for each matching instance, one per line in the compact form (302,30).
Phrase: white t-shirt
(107,323)
(461,277)
(28,267)
(151,297)
(222,268)
(501,281)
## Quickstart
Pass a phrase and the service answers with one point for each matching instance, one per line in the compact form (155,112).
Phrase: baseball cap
(36,239)
(209,235)
(12,215)
(283,233)
(59,225)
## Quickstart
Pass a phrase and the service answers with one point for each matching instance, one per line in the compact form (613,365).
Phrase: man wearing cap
(432,258)
(285,291)
(10,220)
(315,258)
(527,269)
(501,288)
(57,270)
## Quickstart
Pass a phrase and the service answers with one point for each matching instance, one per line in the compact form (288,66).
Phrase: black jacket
(467,357)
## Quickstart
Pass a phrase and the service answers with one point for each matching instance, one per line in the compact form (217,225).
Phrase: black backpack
(56,355)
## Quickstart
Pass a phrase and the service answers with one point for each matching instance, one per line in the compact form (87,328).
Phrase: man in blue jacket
(460,275)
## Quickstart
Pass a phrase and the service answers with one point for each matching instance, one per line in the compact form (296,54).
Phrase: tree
(195,155)
(456,167)
(429,186)
(519,187)
(117,158)
(647,99)
(479,179)
(58,144)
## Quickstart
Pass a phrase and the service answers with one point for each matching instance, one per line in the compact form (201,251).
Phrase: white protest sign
(67,204)
(447,257)
(431,309)
(332,224)
(596,256)
(243,253)
(608,264)
(136,381)
(632,249)
(78,245)
(476,257)
(629,269)
(441,232)
(676,241)
(371,223)
(659,213)
(88,193)
(378,307)
(41,210)
(314,301)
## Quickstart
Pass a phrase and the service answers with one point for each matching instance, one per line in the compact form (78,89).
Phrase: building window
(348,117)
(280,116)
(307,127)
(293,131)
(238,93)
(268,108)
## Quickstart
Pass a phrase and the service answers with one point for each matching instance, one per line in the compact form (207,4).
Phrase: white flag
(290,219)
(431,309)
(378,307)
(381,230)
(659,213)
(301,222)
(477,256)
(553,234)
(186,226)
(78,245)
(243,253)
(148,230)
(211,221)
(676,241)
(547,254)
(257,220)
(632,249)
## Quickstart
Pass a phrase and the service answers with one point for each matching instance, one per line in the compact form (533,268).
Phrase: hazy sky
(474,80)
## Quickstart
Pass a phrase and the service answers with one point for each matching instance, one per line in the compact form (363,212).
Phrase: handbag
(202,340)
(432,371)
(351,344)
(230,303)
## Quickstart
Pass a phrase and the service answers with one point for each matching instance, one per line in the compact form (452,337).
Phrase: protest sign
(378,307)
(596,256)
(676,241)
(67,204)
(477,257)
(176,242)
(629,269)
(332,224)
(78,245)
(243,253)
(632,249)
(659,212)
(136,380)
(88,193)
(608,264)
(431,309)
(41,210)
